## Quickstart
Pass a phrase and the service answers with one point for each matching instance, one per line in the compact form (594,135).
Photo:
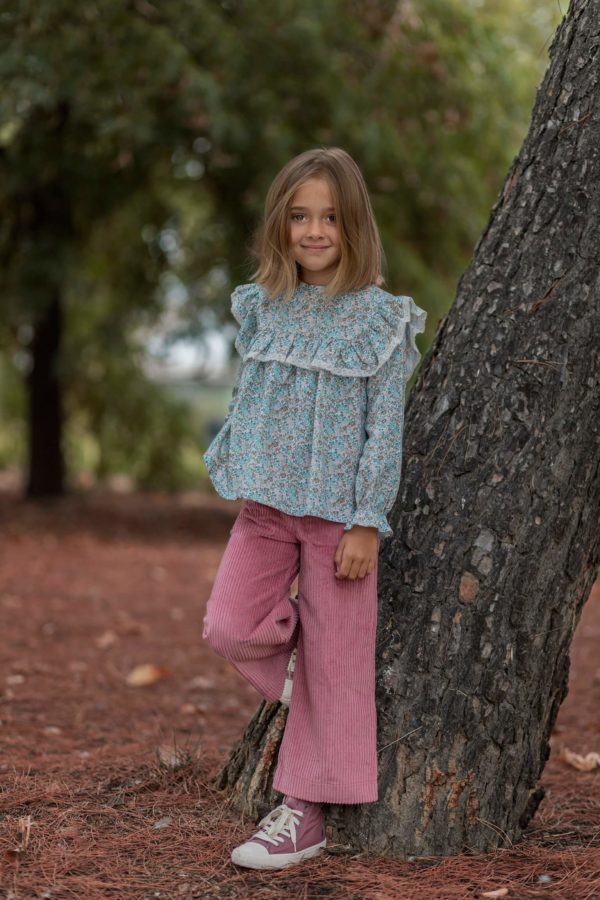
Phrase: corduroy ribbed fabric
(328,752)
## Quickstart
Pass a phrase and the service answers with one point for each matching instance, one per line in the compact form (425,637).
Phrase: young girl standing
(313,444)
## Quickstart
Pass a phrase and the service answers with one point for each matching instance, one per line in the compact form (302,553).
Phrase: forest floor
(107,788)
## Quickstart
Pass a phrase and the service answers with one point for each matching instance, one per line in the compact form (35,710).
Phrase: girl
(312,443)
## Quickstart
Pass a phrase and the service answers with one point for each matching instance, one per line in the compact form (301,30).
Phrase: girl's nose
(315,229)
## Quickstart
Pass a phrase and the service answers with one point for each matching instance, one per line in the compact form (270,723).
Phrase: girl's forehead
(314,192)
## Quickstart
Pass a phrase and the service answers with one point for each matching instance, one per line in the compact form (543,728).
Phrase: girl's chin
(317,261)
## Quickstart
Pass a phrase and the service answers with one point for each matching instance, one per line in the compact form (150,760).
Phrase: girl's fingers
(358,568)
(355,569)
(366,568)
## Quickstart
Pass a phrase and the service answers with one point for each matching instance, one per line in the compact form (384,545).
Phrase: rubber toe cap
(250,853)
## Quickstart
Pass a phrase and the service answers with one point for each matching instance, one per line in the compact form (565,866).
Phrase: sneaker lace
(280,823)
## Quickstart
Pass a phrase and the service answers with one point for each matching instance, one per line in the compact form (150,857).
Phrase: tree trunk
(249,770)
(46,464)
(496,542)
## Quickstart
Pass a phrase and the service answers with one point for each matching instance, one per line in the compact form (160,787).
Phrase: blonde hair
(361,252)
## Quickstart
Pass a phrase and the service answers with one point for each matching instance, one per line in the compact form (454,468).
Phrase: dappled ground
(106,787)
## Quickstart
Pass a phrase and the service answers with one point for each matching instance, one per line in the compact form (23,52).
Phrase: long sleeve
(380,465)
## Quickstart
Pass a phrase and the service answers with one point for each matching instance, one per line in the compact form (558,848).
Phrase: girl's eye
(297,216)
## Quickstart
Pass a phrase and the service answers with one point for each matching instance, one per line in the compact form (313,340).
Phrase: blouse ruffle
(386,323)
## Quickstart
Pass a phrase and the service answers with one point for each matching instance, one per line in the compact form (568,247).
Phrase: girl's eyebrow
(304,208)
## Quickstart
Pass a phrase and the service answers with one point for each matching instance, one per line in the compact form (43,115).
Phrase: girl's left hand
(357,552)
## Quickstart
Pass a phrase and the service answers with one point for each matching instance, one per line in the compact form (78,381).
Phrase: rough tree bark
(496,541)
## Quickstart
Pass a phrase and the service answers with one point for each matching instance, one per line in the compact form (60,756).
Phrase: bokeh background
(137,142)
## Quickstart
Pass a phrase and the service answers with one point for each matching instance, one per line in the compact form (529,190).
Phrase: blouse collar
(304,285)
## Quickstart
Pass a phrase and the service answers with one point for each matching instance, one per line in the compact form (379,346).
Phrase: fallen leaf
(163,823)
(501,892)
(146,674)
(583,763)
(106,640)
(52,730)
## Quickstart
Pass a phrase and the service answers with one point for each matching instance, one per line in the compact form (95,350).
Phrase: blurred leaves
(137,142)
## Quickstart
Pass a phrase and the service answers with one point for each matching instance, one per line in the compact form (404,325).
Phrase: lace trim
(397,321)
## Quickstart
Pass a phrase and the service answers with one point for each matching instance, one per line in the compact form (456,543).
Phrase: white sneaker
(289,681)
(286,836)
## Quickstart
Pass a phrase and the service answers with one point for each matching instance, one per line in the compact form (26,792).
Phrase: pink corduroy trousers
(328,752)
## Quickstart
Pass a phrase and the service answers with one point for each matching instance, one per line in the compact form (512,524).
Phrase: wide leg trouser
(328,751)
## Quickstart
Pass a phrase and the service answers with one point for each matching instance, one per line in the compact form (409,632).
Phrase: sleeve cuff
(371,519)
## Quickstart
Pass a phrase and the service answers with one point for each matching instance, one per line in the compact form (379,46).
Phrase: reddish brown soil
(94,585)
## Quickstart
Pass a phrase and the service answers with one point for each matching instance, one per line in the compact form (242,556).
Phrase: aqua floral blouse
(315,421)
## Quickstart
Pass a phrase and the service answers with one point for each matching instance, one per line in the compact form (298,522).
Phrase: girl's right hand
(357,552)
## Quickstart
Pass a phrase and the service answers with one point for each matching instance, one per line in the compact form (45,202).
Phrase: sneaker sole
(275,860)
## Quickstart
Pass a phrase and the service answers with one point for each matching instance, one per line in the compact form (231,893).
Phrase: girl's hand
(357,552)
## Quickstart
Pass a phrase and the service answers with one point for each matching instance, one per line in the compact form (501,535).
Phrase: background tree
(92,111)
(496,542)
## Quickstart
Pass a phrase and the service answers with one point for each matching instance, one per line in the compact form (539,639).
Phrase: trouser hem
(318,792)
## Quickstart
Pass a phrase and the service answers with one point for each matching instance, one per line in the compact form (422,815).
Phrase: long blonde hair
(360,244)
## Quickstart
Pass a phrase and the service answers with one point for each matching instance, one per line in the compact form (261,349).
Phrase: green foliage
(137,142)
(139,431)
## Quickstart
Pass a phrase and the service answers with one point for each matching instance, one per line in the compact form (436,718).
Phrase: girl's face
(313,232)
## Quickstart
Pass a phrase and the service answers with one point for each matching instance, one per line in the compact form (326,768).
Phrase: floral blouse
(315,421)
